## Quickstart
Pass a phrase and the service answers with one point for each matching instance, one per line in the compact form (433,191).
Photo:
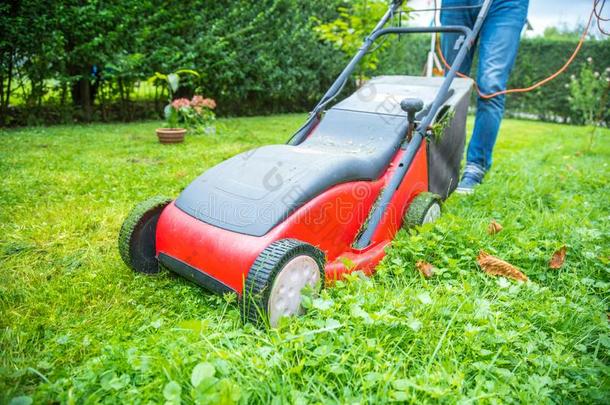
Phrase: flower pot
(171,135)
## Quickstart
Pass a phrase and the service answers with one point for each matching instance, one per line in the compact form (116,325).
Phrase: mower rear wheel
(137,238)
(425,208)
(278,275)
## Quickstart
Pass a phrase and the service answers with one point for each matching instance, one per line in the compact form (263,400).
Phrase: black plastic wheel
(260,281)
(425,207)
(138,234)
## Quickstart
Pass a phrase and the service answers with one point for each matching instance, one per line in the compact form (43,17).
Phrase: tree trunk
(101,98)
(85,95)
(40,93)
(127,103)
(2,118)
(10,80)
(81,96)
(122,98)
(1,91)
(82,90)
(64,89)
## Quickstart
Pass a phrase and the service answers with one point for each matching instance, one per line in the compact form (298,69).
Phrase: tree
(96,33)
(347,32)
(589,95)
(254,57)
(27,49)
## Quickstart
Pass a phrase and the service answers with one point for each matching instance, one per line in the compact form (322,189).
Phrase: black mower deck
(356,140)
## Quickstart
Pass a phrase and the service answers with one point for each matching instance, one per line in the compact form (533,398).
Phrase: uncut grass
(76,324)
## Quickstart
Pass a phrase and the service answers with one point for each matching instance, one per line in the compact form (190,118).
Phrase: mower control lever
(411,106)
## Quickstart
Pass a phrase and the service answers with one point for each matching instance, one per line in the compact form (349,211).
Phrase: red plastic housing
(331,221)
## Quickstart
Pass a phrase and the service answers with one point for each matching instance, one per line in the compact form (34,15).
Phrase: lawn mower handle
(336,87)
(402,167)
(377,32)
(419,134)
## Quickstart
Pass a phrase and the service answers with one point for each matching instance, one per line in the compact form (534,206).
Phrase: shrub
(587,91)
(196,114)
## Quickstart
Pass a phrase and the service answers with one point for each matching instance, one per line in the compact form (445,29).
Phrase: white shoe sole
(464,191)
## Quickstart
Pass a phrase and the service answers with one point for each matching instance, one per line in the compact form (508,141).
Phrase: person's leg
(450,42)
(498,45)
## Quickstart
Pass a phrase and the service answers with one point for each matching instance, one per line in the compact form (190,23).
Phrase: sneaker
(472,177)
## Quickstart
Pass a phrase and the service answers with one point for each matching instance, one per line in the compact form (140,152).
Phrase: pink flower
(180,103)
(209,103)
(199,101)
(196,101)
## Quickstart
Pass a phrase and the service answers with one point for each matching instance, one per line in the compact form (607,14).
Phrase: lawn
(76,326)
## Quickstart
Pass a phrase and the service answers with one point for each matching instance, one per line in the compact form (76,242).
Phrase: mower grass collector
(267,223)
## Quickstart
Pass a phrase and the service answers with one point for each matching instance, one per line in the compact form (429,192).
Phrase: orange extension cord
(537,84)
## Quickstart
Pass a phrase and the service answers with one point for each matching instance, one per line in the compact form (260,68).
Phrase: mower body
(321,191)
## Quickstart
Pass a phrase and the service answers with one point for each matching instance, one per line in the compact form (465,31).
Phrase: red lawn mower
(267,223)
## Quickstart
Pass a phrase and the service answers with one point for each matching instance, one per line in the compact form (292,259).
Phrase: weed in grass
(77,325)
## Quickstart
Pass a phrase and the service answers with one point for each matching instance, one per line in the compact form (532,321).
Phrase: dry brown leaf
(558,258)
(425,268)
(494,227)
(498,267)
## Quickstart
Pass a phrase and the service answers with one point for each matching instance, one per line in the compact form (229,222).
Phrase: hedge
(538,58)
(256,58)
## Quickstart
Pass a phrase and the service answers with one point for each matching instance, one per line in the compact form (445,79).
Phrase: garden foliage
(355,21)
(69,60)
(538,58)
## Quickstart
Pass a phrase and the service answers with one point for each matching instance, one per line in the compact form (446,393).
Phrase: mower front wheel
(278,275)
(137,238)
(425,208)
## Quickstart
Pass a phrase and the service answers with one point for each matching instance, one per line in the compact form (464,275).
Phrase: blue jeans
(498,42)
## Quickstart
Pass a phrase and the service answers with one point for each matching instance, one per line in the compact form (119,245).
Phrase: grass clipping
(498,267)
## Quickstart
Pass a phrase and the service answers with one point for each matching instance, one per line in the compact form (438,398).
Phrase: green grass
(77,326)
(141,91)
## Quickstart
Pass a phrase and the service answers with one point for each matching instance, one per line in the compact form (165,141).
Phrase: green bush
(68,60)
(256,57)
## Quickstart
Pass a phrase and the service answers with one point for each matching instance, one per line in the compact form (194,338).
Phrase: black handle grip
(411,106)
